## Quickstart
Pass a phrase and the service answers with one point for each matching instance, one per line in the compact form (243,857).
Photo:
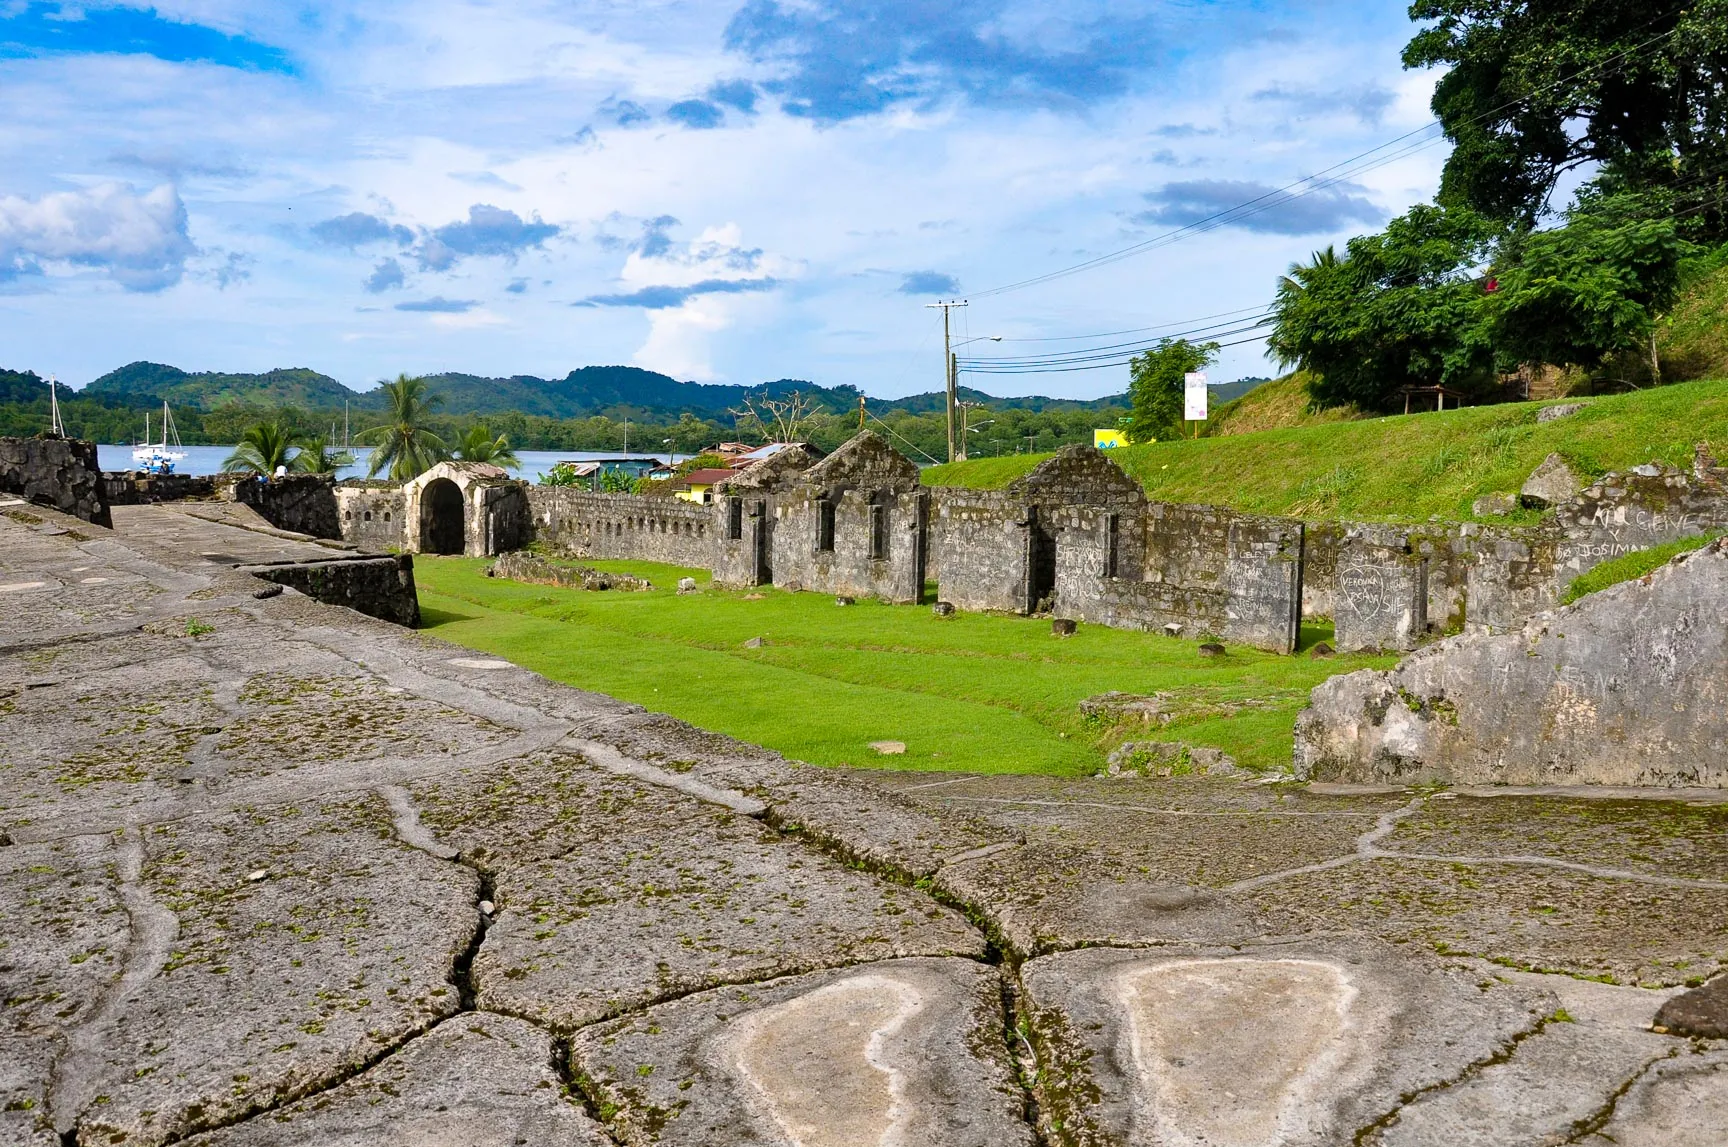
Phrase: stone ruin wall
(979,547)
(381,587)
(61,473)
(631,527)
(851,567)
(136,488)
(1208,572)
(371,513)
(301,503)
(1606,691)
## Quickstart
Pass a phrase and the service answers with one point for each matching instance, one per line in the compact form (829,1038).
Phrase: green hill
(1407,467)
(142,383)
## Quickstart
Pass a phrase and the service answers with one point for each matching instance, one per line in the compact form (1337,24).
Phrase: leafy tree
(479,445)
(563,474)
(1577,294)
(614,481)
(266,447)
(1402,307)
(405,444)
(1156,385)
(1535,88)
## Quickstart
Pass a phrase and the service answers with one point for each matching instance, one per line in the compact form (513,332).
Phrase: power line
(1082,353)
(1133,330)
(1345,170)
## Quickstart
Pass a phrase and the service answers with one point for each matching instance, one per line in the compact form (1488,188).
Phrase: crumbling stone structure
(61,473)
(852,524)
(302,503)
(1622,688)
(370,512)
(137,488)
(381,587)
(471,508)
(586,524)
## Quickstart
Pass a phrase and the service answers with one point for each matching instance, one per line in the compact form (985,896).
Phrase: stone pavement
(276,873)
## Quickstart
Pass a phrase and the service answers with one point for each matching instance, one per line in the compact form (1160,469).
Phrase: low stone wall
(1400,586)
(382,587)
(1321,545)
(303,503)
(59,472)
(136,488)
(979,545)
(1626,687)
(370,514)
(627,526)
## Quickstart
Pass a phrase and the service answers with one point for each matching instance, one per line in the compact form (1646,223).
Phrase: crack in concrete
(1366,849)
(1551,862)
(606,757)
(1370,1133)
(153,929)
(1599,1118)
(1154,810)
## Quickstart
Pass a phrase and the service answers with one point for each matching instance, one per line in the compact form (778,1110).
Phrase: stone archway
(442,526)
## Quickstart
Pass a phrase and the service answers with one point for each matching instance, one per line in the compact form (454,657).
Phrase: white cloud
(139,240)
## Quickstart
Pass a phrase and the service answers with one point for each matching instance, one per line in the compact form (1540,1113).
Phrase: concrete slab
(476,1080)
(1287,1045)
(1681,1102)
(613,894)
(907,1052)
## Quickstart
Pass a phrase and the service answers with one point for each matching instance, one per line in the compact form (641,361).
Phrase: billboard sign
(1194,396)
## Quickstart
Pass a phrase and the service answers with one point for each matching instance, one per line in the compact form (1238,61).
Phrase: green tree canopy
(1155,386)
(1535,88)
(1576,294)
(480,445)
(1400,308)
(406,447)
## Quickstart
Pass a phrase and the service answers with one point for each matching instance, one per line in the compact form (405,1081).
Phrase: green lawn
(1408,467)
(974,692)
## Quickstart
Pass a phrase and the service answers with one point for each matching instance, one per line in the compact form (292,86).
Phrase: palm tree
(264,449)
(478,445)
(317,458)
(405,445)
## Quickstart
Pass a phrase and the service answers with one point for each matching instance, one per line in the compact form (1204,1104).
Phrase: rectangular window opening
(734,519)
(824,527)
(1112,530)
(878,533)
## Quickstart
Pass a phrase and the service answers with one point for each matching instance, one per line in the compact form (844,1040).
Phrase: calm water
(208,460)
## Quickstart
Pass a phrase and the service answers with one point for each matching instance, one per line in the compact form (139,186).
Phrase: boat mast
(55,426)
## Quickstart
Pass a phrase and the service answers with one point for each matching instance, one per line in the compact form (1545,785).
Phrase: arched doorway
(441,526)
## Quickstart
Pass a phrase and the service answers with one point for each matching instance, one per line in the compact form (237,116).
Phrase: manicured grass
(974,692)
(1632,565)
(1404,468)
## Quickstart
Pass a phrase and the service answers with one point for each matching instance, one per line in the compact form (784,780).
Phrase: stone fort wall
(587,524)
(61,473)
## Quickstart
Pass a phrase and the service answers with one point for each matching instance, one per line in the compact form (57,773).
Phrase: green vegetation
(407,448)
(264,449)
(1626,567)
(973,692)
(1157,386)
(480,445)
(1406,467)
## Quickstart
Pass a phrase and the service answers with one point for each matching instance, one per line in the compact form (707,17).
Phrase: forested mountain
(612,391)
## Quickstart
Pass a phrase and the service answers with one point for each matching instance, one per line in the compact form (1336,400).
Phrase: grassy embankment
(1402,468)
(974,692)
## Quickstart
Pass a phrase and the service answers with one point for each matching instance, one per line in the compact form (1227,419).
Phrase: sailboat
(159,457)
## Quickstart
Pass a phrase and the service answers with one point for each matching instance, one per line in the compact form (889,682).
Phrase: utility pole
(860,414)
(948,369)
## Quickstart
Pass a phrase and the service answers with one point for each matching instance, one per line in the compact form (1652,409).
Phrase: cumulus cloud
(358,229)
(698,114)
(838,59)
(1367,103)
(517,286)
(1273,213)
(488,230)
(139,241)
(387,275)
(928,283)
(438,305)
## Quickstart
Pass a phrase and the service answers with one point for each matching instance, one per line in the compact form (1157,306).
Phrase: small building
(698,485)
(471,508)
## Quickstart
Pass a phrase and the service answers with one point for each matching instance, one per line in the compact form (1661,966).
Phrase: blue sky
(738,191)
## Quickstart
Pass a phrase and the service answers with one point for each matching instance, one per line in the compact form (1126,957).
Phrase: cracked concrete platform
(274,872)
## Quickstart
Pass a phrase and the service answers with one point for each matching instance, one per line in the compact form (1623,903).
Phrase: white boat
(159,457)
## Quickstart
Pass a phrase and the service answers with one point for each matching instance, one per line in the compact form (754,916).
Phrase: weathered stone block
(57,472)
